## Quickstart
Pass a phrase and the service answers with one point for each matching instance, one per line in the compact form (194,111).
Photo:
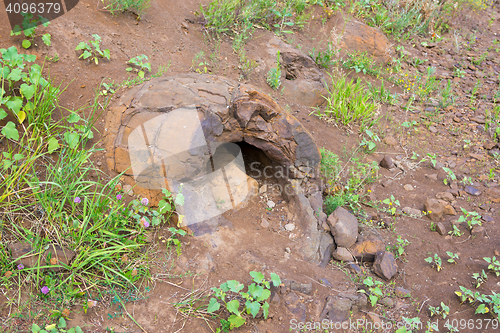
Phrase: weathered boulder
(359,37)
(344,227)
(171,126)
(303,81)
(434,209)
(369,243)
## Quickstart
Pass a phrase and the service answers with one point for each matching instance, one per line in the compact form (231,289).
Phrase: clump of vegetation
(255,299)
(238,17)
(345,183)
(138,7)
(348,103)
(29,29)
(274,74)
(24,92)
(93,51)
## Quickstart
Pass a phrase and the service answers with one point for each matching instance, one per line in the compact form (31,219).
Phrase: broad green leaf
(140,74)
(26,44)
(233,306)
(213,305)
(3,114)
(164,207)
(236,321)
(50,327)
(179,199)
(18,157)
(129,69)
(373,299)
(78,329)
(73,118)
(265,309)
(16,31)
(35,328)
(235,286)
(86,54)
(107,54)
(257,276)
(275,279)
(27,90)
(71,330)
(53,145)
(368,282)
(255,291)
(10,131)
(482,309)
(82,46)
(15,75)
(62,323)
(21,116)
(15,104)
(253,307)
(71,139)
(265,295)
(46,39)
(45,22)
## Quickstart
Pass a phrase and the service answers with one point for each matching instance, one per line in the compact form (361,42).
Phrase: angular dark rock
(342,254)
(472,190)
(336,309)
(387,162)
(385,265)
(440,228)
(402,292)
(295,306)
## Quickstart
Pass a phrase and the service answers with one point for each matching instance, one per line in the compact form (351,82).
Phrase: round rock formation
(179,132)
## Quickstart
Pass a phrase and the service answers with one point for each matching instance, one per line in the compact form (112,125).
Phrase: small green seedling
(392,202)
(433,159)
(409,124)
(480,278)
(255,298)
(436,261)
(274,74)
(455,232)
(93,51)
(443,311)
(374,291)
(399,247)
(60,327)
(141,65)
(451,175)
(494,265)
(453,257)
(472,218)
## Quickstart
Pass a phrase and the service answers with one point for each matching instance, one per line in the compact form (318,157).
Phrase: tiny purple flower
(145,201)
(77,200)
(144,222)
(20,266)
(119,196)
(45,290)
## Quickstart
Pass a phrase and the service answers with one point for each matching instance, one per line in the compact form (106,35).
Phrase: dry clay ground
(169,33)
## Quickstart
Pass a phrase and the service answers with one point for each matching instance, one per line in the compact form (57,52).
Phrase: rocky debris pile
(354,245)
